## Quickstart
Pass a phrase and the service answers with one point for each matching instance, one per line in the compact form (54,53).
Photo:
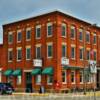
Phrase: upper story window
(49,50)
(94,38)
(38,51)
(63,30)
(81,53)
(88,36)
(19,53)
(19,36)
(10,54)
(49,29)
(38,31)
(28,34)
(95,55)
(10,37)
(73,31)
(81,34)
(88,54)
(28,53)
(73,52)
(64,50)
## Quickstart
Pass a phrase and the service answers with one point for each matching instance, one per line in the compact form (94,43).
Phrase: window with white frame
(10,54)
(95,55)
(73,52)
(88,54)
(64,30)
(28,34)
(64,50)
(81,34)
(81,76)
(49,29)
(49,79)
(64,80)
(38,51)
(73,76)
(73,32)
(19,36)
(81,53)
(19,54)
(19,80)
(28,53)
(38,79)
(94,38)
(10,37)
(49,50)
(38,31)
(88,36)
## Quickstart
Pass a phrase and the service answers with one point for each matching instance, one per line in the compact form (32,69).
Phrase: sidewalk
(97,93)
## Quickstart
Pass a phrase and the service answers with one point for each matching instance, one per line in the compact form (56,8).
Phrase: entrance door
(28,82)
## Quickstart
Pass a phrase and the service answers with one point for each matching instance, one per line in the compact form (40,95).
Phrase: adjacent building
(48,49)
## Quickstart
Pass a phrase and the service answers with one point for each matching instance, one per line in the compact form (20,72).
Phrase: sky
(13,10)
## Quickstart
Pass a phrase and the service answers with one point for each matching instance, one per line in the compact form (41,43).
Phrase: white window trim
(10,33)
(49,44)
(10,49)
(88,49)
(82,52)
(63,24)
(96,39)
(38,26)
(48,80)
(73,27)
(17,36)
(18,48)
(81,30)
(64,44)
(74,78)
(65,77)
(73,46)
(49,24)
(28,29)
(28,47)
(88,32)
(38,45)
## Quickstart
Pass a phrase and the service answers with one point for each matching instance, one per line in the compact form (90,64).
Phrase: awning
(8,72)
(48,71)
(36,71)
(72,68)
(17,72)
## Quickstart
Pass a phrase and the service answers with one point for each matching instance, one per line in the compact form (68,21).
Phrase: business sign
(64,61)
(37,62)
(93,68)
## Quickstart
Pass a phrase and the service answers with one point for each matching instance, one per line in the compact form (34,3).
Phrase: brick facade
(56,18)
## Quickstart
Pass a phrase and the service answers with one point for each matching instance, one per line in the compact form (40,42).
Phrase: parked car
(6,88)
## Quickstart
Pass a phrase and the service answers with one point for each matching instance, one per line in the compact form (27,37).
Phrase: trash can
(42,90)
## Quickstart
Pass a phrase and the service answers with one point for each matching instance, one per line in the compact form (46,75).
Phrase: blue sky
(12,10)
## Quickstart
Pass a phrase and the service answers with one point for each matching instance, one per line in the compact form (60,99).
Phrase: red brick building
(48,49)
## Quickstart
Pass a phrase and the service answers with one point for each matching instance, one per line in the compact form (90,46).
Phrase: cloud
(11,10)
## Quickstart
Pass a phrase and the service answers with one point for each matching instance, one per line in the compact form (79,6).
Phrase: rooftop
(49,12)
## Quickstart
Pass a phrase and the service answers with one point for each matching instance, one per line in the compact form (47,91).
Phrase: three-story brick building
(48,49)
